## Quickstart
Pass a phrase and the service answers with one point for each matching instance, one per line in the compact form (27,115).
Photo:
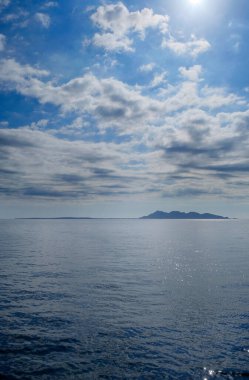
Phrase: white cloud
(147,67)
(112,102)
(118,19)
(90,8)
(2,42)
(192,154)
(117,22)
(40,124)
(106,99)
(193,47)
(191,140)
(118,25)
(215,98)
(11,72)
(19,17)
(159,79)
(110,41)
(43,19)
(192,73)
(51,4)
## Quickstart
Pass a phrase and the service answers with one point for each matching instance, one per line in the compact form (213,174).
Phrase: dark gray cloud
(229,168)
(192,192)
(6,172)
(12,141)
(195,148)
(6,191)
(47,167)
(69,178)
(42,192)
(101,172)
(110,112)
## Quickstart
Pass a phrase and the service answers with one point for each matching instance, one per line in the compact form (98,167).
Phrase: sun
(195,2)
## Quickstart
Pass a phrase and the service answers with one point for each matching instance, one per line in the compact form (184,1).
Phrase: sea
(124,299)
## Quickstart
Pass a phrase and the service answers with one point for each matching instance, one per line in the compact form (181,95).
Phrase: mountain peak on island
(181,215)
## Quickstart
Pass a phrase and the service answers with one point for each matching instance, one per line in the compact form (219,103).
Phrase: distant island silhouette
(56,218)
(181,215)
(154,215)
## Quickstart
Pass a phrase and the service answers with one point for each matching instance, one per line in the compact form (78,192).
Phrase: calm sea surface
(124,299)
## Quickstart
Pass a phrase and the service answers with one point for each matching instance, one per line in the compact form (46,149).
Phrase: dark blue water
(124,299)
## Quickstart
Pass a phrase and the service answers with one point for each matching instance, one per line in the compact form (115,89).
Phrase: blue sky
(120,108)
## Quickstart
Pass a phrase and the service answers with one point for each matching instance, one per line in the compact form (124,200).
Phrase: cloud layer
(117,24)
(180,142)
(103,131)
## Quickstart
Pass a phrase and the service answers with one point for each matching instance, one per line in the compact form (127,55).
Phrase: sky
(118,109)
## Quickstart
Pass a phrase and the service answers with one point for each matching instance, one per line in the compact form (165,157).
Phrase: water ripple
(117,300)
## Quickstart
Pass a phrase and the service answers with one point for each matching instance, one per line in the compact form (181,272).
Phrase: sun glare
(195,2)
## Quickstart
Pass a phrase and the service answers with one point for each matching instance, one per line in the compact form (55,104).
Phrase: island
(182,215)
(154,215)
